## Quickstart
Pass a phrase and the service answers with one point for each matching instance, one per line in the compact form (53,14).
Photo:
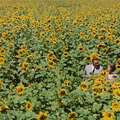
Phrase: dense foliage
(44,48)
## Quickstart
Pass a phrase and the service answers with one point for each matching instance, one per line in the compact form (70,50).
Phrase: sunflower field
(44,48)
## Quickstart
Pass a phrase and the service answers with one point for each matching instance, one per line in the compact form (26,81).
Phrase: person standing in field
(93,68)
(111,76)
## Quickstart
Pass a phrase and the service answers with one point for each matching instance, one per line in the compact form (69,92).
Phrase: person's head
(111,67)
(95,61)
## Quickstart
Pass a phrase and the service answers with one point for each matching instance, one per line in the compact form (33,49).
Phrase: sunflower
(67,82)
(97,83)
(63,37)
(42,34)
(88,58)
(71,31)
(29,57)
(24,51)
(94,55)
(117,41)
(84,86)
(65,54)
(38,67)
(2,51)
(81,34)
(103,74)
(0,84)
(36,31)
(108,35)
(117,93)
(115,106)
(81,25)
(107,116)
(102,30)
(107,82)
(94,89)
(118,61)
(101,45)
(72,115)
(24,66)
(104,50)
(20,51)
(115,87)
(18,57)
(93,33)
(55,59)
(85,37)
(51,63)
(101,89)
(117,67)
(28,105)
(81,49)
(42,116)
(62,92)
(101,38)
(51,54)
(20,90)
(2,60)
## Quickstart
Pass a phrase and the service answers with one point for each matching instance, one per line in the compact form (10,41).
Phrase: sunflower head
(62,92)
(84,86)
(72,115)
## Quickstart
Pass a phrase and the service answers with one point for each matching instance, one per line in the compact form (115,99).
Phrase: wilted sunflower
(117,67)
(51,63)
(117,41)
(65,54)
(72,115)
(103,74)
(84,86)
(2,60)
(20,90)
(0,84)
(115,106)
(62,92)
(28,105)
(42,116)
